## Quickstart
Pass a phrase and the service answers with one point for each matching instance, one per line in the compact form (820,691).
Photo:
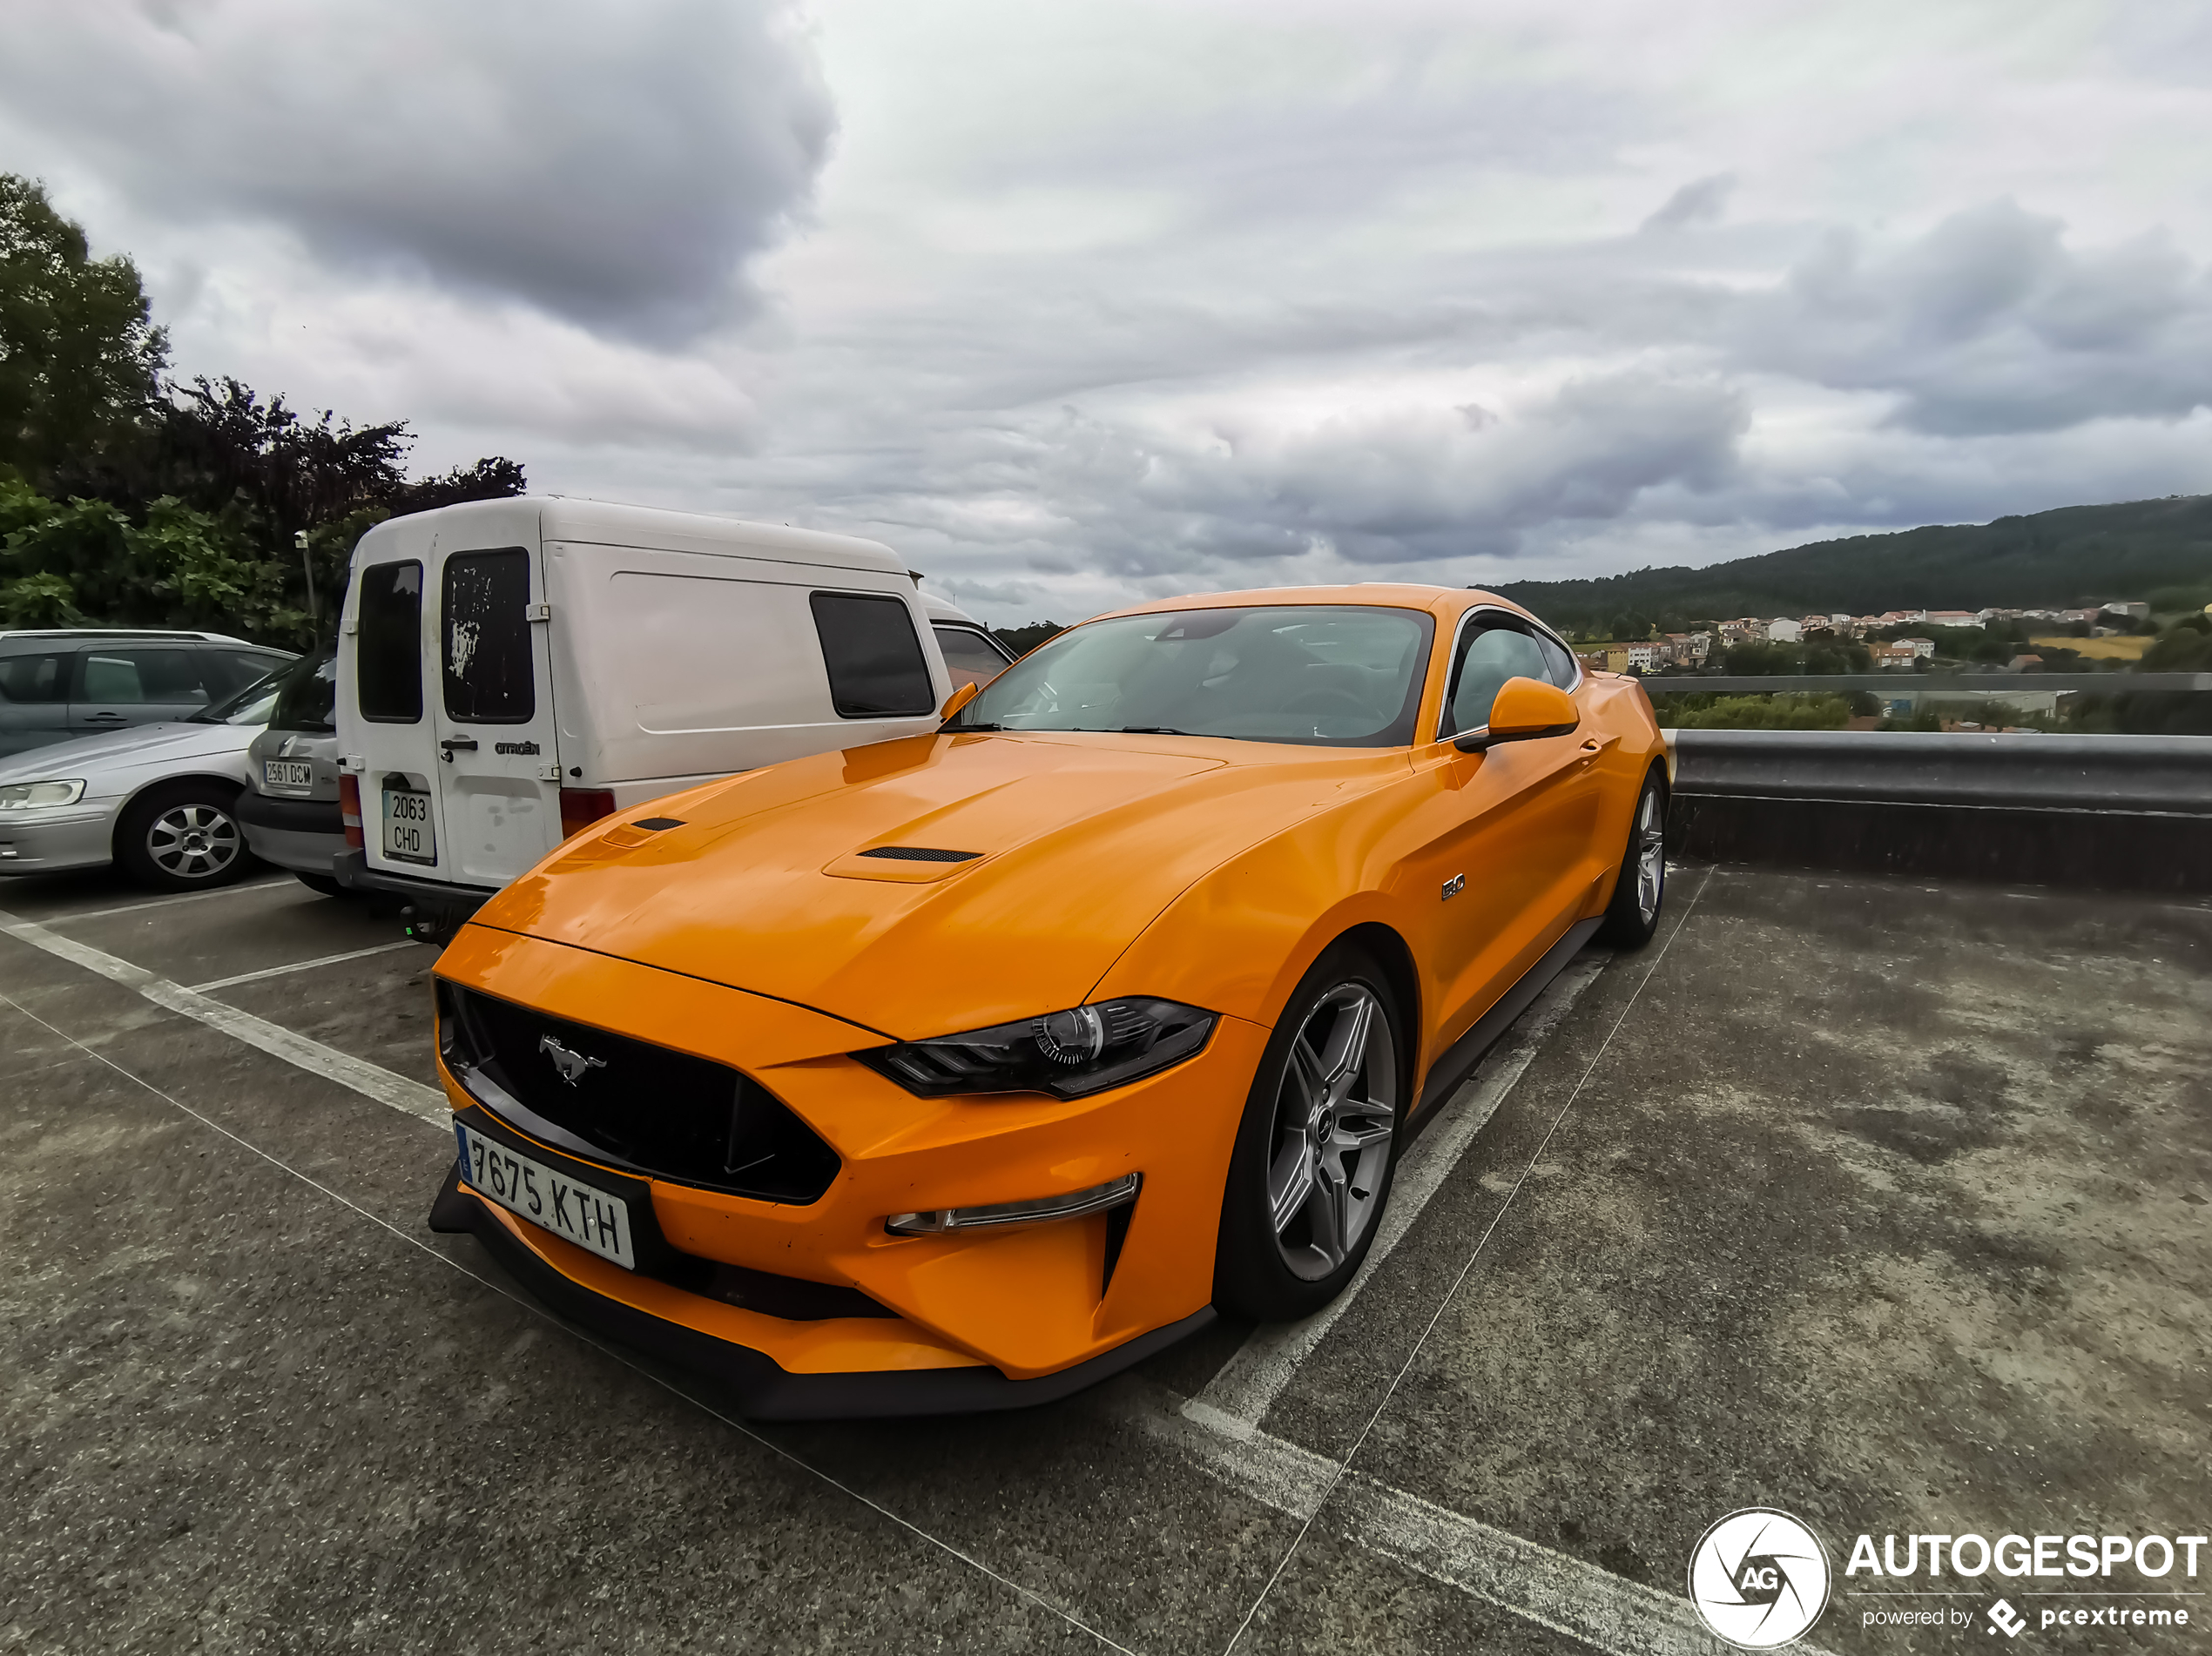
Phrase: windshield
(253,704)
(1332,675)
(306,694)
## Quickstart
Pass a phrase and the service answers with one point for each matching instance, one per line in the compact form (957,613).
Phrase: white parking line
(165,902)
(370,1081)
(1250,1381)
(304,965)
(1555,1589)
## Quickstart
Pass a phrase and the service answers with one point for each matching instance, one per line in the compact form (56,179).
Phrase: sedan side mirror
(1525,709)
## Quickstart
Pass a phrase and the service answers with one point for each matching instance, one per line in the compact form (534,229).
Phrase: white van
(511,671)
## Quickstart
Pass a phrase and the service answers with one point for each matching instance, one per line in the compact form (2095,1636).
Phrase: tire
(1638,894)
(320,884)
(1282,1255)
(183,837)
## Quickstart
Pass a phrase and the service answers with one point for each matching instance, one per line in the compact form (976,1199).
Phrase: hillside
(2076,554)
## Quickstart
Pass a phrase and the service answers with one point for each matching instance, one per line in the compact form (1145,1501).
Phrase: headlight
(1069,1055)
(23,796)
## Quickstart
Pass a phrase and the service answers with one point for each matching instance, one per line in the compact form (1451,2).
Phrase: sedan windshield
(1330,675)
(253,704)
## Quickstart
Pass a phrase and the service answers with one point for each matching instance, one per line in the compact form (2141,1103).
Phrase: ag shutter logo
(1759,1579)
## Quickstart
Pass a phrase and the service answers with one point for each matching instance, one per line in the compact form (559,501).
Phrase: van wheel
(1310,1173)
(183,837)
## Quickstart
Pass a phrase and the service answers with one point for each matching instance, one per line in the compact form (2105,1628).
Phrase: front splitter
(762,1388)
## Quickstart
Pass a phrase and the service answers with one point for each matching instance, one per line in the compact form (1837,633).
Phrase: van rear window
(387,656)
(488,638)
(876,667)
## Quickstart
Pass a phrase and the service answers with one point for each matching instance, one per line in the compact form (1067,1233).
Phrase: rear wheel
(1633,915)
(183,837)
(1312,1166)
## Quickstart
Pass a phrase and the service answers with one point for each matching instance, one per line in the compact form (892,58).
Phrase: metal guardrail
(1899,682)
(2138,775)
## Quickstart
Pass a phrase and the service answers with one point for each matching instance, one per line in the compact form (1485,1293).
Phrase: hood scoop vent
(921,854)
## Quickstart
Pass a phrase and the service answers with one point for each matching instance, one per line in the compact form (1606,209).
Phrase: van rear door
(498,768)
(390,634)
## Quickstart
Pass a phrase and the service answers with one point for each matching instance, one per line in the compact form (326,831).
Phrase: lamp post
(307,565)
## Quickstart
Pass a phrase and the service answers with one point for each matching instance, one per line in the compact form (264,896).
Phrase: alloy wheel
(1650,855)
(193,841)
(1334,1118)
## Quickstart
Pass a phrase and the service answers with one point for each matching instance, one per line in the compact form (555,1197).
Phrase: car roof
(94,635)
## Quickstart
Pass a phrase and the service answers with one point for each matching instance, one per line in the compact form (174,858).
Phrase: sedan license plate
(286,773)
(574,1211)
(407,834)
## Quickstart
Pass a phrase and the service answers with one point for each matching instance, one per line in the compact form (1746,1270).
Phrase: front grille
(628,1102)
(921,854)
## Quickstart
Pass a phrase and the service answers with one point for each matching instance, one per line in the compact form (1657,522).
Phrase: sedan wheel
(183,837)
(1334,1118)
(1633,915)
(193,842)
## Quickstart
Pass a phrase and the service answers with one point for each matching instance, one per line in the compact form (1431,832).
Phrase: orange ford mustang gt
(957,1072)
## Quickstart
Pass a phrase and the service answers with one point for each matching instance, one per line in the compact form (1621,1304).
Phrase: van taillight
(349,812)
(581,807)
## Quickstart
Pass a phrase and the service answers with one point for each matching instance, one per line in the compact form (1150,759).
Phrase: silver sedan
(159,800)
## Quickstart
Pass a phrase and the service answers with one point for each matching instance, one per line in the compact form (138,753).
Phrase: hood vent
(921,854)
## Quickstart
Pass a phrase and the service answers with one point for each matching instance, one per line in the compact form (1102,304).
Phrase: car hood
(98,758)
(1078,841)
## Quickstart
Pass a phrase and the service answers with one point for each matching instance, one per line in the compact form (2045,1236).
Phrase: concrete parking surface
(1881,1204)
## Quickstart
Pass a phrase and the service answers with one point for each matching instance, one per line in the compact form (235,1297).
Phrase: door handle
(104,718)
(452,744)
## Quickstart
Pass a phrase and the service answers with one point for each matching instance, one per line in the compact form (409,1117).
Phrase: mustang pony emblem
(572,1065)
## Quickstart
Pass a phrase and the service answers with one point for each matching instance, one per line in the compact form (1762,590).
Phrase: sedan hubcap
(1651,855)
(1333,1120)
(193,841)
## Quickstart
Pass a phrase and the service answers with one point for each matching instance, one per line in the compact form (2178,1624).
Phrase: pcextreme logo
(1759,1579)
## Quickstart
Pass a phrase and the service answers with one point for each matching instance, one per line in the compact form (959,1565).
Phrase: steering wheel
(1323,702)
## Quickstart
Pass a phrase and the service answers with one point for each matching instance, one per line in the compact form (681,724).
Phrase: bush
(1784,713)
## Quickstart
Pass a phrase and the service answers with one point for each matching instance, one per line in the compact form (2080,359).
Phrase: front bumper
(977,1319)
(47,842)
(304,835)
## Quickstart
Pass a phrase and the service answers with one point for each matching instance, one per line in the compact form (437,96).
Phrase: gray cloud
(1701,201)
(1991,323)
(615,166)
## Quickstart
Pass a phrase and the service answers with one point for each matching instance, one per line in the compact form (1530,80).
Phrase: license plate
(407,834)
(578,1213)
(286,773)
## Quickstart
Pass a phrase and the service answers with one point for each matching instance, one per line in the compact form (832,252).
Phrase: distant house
(1783,630)
(1643,658)
(1899,654)
(2131,611)
(1919,646)
(1951,618)
(2025,664)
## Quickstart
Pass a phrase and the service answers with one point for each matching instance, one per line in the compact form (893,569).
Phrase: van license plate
(574,1211)
(286,773)
(407,834)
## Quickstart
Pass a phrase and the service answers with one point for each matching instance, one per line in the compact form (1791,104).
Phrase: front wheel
(183,837)
(1633,915)
(1312,1169)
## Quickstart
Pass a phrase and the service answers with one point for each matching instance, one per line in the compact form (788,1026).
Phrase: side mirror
(1525,709)
(960,699)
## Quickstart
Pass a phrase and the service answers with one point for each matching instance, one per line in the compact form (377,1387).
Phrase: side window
(1560,664)
(876,666)
(970,657)
(486,639)
(307,698)
(30,681)
(388,652)
(1491,651)
(129,677)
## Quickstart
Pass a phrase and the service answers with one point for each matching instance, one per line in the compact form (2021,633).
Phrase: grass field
(2128,647)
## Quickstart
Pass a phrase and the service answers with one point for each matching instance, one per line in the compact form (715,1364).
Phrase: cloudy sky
(1074,303)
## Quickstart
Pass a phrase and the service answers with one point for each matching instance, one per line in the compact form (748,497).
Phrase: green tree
(80,359)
